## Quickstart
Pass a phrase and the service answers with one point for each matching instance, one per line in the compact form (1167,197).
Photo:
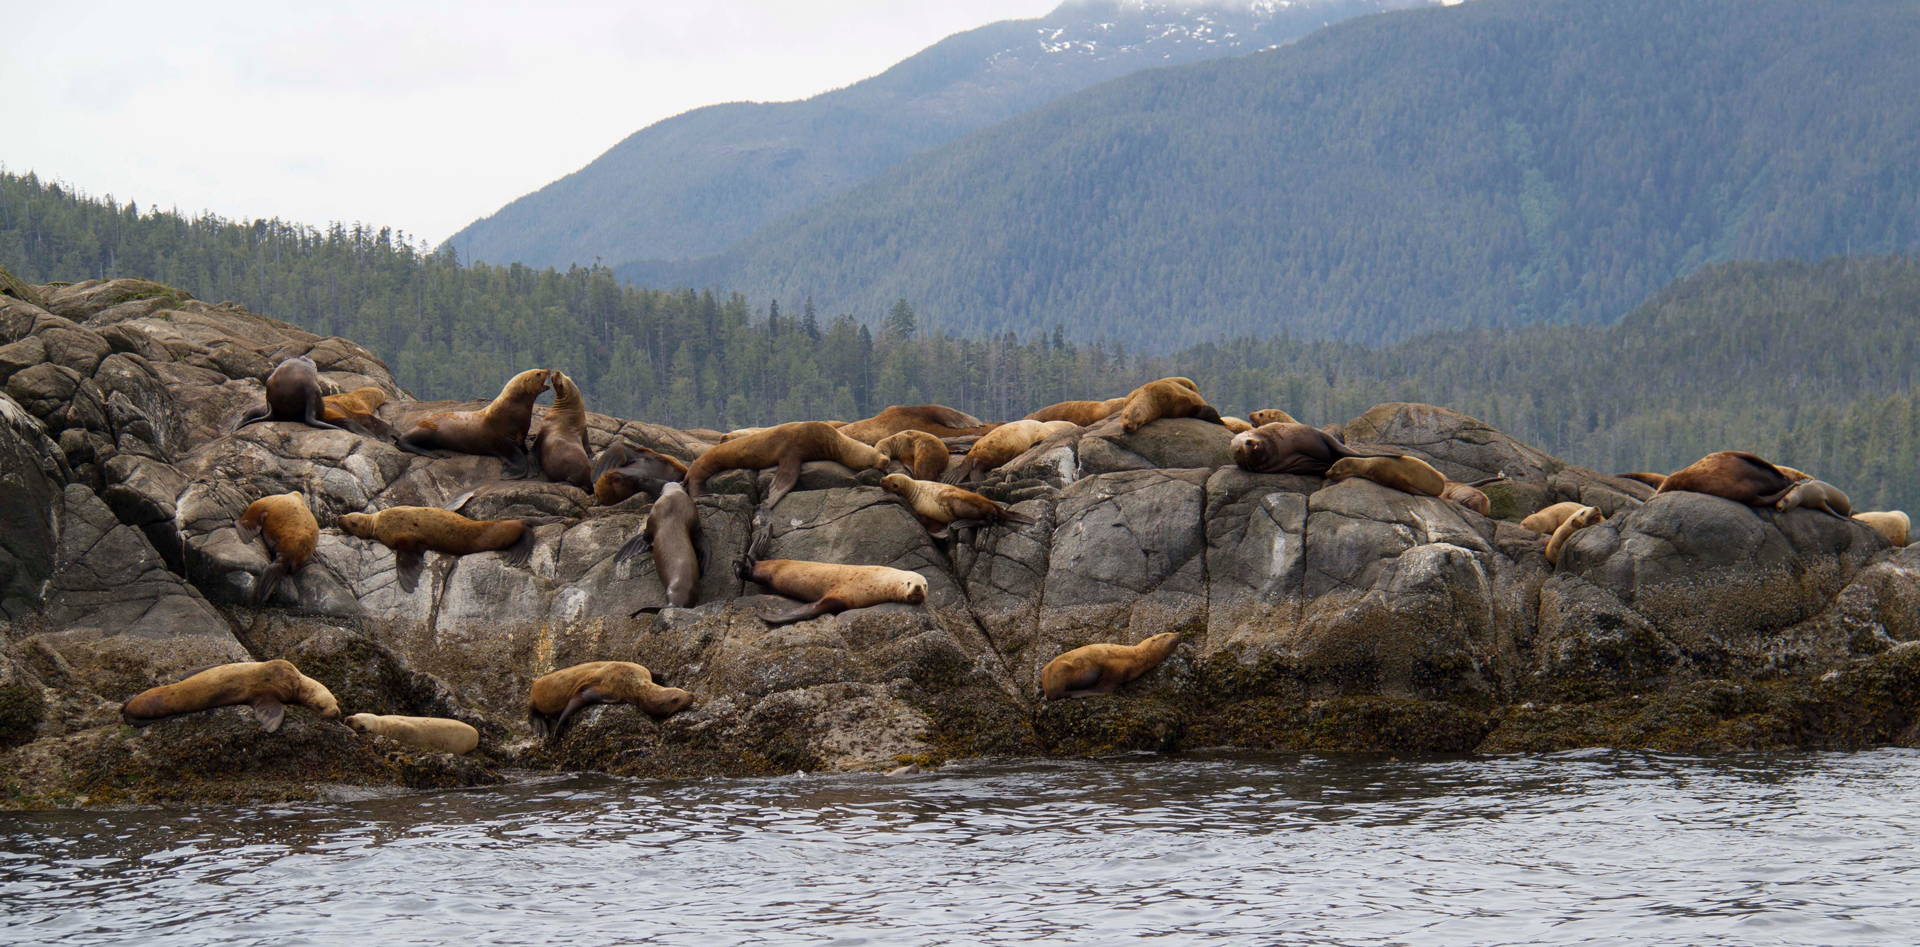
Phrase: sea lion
(1469,495)
(679,546)
(438,734)
(786,447)
(1082,413)
(1816,495)
(556,697)
(1166,398)
(293,394)
(1236,425)
(357,401)
(1286,447)
(1549,519)
(1892,524)
(1792,474)
(1580,519)
(1653,480)
(927,456)
(1103,668)
(937,420)
(1405,474)
(560,449)
(1734,475)
(739,432)
(291,533)
(940,506)
(411,531)
(499,429)
(622,471)
(1266,416)
(829,587)
(268,686)
(1003,444)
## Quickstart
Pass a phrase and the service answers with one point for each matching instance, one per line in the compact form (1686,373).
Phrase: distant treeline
(1816,365)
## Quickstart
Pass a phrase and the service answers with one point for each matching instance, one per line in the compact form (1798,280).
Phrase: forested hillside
(1494,163)
(1817,365)
(694,184)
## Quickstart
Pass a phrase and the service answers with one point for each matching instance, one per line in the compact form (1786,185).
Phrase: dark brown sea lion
(1003,444)
(428,733)
(556,697)
(786,447)
(293,394)
(268,686)
(1405,474)
(411,531)
(940,506)
(1166,398)
(1103,668)
(622,471)
(561,448)
(829,587)
(1082,413)
(1734,475)
(937,420)
(1817,495)
(1284,447)
(922,453)
(679,546)
(499,429)
(291,532)
(1581,519)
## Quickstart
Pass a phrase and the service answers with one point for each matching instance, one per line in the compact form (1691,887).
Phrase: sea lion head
(897,484)
(533,381)
(1588,516)
(1346,468)
(359,524)
(359,723)
(913,588)
(667,701)
(1266,416)
(1249,449)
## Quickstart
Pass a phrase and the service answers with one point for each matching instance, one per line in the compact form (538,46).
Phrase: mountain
(1494,163)
(693,184)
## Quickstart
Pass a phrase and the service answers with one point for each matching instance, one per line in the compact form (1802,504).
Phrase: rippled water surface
(1601,848)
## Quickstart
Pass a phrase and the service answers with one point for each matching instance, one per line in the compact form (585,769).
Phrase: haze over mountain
(693,184)
(1494,163)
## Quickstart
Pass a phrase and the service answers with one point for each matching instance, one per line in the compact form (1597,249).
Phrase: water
(1589,848)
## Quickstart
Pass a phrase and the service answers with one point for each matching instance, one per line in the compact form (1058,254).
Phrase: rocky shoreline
(1314,616)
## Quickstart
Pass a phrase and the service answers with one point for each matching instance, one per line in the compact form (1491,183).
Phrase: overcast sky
(421,116)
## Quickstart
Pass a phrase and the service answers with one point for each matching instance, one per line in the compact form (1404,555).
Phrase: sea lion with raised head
(922,453)
(1004,444)
(1734,475)
(785,447)
(1653,480)
(291,533)
(556,697)
(1892,524)
(1166,398)
(1266,416)
(828,587)
(266,686)
(1580,519)
(499,429)
(1816,495)
(941,507)
(293,394)
(438,734)
(937,420)
(412,531)
(1547,520)
(1103,668)
(679,546)
(560,449)
(1082,413)
(622,471)
(1286,447)
(1405,474)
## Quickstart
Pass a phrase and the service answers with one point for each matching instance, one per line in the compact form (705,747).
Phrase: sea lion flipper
(517,554)
(269,712)
(785,478)
(516,463)
(610,460)
(269,580)
(454,505)
(407,566)
(800,612)
(580,701)
(253,416)
(406,443)
(633,547)
(1014,516)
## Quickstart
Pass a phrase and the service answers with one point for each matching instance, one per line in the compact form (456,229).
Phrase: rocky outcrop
(1313,616)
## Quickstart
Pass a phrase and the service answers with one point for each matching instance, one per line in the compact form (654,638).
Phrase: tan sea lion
(358,401)
(1892,524)
(1004,444)
(268,686)
(622,471)
(1816,495)
(560,450)
(937,420)
(499,429)
(1405,474)
(1103,668)
(556,697)
(1653,480)
(411,531)
(1236,425)
(1266,416)
(679,546)
(1580,519)
(1547,520)
(739,432)
(940,506)
(829,587)
(291,532)
(1734,475)
(438,734)
(786,447)
(1469,495)
(1082,413)
(1285,447)
(927,456)
(1166,398)
(293,394)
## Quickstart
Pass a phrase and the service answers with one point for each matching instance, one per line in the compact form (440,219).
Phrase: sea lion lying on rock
(1549,519)
(829,587)
(428,733)
(1405,474)
(1734,475)
(1892,524)
(357,411)
(1580,519)
(1004,444)
(622,471)
(267,686)
(291,533)
(1266,416)
(1816,495)
(1166,398)
(941,506)
(499,429)
(293,394)
(1103,668)
(1236,425)
(1082,413)
(934,419)
(785,447)
(1284,447)
(556,697)
(411,531)
(923,454)
(1470,496)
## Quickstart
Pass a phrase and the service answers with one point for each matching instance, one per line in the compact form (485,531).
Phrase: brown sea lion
(1547,520)
(1653,480)
(1103,668)
(829,587)
(1003,444)
(293,394)
(1734,475)
(560,451)
(556,697)
(499,429)
(291,532)
(268,686)
(1469,495)
(940,506)
(1285,447)
(1892,524)
(927,456)
(937,420)
(1236,425)
(438,734)
(622,471)
(739,432)
(1082,413)
(411,531)
(1266,416)
(1166,398)
(679,546)
(358,401)
(1405,474)
(1581,519)
(786,447)
(1816,495)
